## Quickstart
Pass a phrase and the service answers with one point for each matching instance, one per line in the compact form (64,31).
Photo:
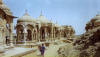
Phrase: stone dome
(56,25)
(5,8)
(42,19)
(26,18)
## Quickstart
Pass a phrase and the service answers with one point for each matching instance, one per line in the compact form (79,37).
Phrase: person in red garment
(42,50)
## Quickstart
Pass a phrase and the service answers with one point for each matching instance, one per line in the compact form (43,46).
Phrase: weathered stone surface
(88,43)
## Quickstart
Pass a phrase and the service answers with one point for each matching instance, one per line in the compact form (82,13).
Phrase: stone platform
(17,52)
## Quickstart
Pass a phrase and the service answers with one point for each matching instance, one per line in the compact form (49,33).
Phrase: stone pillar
(33,35)
(60,34)
(52,32)
(45,34)
(18,37)
(36,34)
(25,35)
(11,34)
(39,38)
(3,36)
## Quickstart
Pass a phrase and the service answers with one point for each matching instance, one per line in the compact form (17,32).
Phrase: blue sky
(67,12)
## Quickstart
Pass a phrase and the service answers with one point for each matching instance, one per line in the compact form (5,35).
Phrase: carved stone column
(33,35)
(11,34)
(36,34)
(1,36)
(39,33)
(45,34)
(25,35)
(52,32)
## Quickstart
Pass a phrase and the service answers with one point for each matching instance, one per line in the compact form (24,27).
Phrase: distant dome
(5,8)
(42,19)
(56,25)
(26,18)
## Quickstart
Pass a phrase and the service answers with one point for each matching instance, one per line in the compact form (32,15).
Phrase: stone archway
(29,35)
(29,32)
(20,34)
(42,33)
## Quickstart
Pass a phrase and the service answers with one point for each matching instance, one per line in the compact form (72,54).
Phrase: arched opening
(49,31)
(20,34)
(29,35)
(42,33)
(29,32)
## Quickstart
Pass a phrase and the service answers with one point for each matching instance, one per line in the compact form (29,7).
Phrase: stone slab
(16,52)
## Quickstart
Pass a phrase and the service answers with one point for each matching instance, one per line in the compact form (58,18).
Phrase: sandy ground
(51,51)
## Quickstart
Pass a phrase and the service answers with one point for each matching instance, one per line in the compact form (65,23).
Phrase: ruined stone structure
(67,31)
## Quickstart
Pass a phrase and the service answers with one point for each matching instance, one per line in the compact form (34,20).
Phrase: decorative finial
(26,12)
(56,22)
(51,20)
(98,13)
(41,13)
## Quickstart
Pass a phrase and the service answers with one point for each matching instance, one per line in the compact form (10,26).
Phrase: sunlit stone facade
(67,31)
(29,29)
(6,24)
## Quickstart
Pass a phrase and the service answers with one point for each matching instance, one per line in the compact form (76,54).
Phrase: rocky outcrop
(89,43)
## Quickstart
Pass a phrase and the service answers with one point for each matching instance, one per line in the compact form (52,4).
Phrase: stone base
(2,49)
(18,52)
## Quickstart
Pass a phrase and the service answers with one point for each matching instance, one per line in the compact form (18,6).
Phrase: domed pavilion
(29,29)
